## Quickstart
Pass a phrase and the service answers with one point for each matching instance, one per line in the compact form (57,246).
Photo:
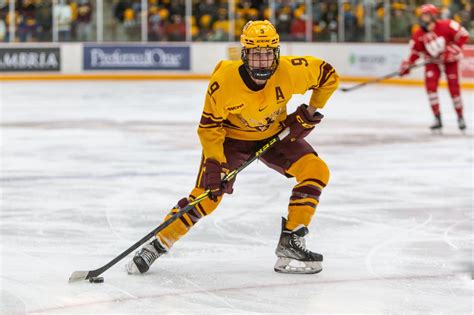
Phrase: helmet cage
(261,73)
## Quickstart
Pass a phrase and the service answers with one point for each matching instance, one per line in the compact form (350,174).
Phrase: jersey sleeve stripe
(328,70)
(209,126)
(209,121)
(320,73)
(210,115)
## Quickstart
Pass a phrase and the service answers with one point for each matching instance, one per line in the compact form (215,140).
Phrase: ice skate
(293,257)
(437,125)
(462,124)
(143,258)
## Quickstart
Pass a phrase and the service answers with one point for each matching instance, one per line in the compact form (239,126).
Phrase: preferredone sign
(29,59)
(136,57)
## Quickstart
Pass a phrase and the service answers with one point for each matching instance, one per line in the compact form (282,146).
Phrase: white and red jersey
(433,44)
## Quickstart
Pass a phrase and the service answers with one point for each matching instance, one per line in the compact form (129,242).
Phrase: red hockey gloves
(213,174)
(301,122)
(452,53)
(405,67)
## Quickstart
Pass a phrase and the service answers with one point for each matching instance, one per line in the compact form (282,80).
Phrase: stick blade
(78,276)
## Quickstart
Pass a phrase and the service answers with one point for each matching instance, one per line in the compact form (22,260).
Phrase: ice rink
(88,168)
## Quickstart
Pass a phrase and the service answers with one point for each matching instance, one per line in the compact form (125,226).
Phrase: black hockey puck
(96,279)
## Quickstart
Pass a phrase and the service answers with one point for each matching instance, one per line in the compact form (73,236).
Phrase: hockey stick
(85,275)
(387,76)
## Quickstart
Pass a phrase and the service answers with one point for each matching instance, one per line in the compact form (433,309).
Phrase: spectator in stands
(205,7)
(194,28)
(8,20)
(238,24)
(27,25)
(283,23)
(253,14)
(378,24)
(319,31)
(84,19)
(155,23)
(350,23)
(462,15)
(73,6)
(63,15)
(333,29)
(119,18)
(176,29)
(3,27)
(33,19)
(131,23)
(205,27)
(177,7)
(298,26)
(205,13)
(325,17)
(220,27)
(400,23)
(44,22)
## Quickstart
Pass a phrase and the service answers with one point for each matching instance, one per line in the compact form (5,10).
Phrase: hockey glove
(213,174)
(301,122)
(452,53)
(405,67)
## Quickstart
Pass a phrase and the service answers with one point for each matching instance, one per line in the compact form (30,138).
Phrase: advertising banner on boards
(30,59)
(136,57)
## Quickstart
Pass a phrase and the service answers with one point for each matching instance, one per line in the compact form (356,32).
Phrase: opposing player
(440,41)
(246,103)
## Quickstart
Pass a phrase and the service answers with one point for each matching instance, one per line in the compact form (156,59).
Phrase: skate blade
(132,269)
(292,266)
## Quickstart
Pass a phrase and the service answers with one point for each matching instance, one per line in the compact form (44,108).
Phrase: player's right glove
(452,53)
(301,122)
(212,177)
(405,67)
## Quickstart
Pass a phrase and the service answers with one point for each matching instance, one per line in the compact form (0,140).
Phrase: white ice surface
(88,168)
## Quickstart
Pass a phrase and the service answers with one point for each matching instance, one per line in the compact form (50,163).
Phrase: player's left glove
(405,67)
(212,177)
(301,122)
(452,53)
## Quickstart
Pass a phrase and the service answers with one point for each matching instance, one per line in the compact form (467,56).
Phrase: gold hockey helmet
(261,37)
(259,34)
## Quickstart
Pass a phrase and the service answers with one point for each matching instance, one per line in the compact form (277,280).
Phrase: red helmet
(429,9)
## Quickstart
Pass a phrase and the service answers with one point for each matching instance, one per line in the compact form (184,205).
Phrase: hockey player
(440,41)
(245,104)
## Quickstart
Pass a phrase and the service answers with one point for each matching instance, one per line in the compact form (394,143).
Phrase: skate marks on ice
(368,132)
(11,304)
(334,132)
(86,176)
(227,299)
